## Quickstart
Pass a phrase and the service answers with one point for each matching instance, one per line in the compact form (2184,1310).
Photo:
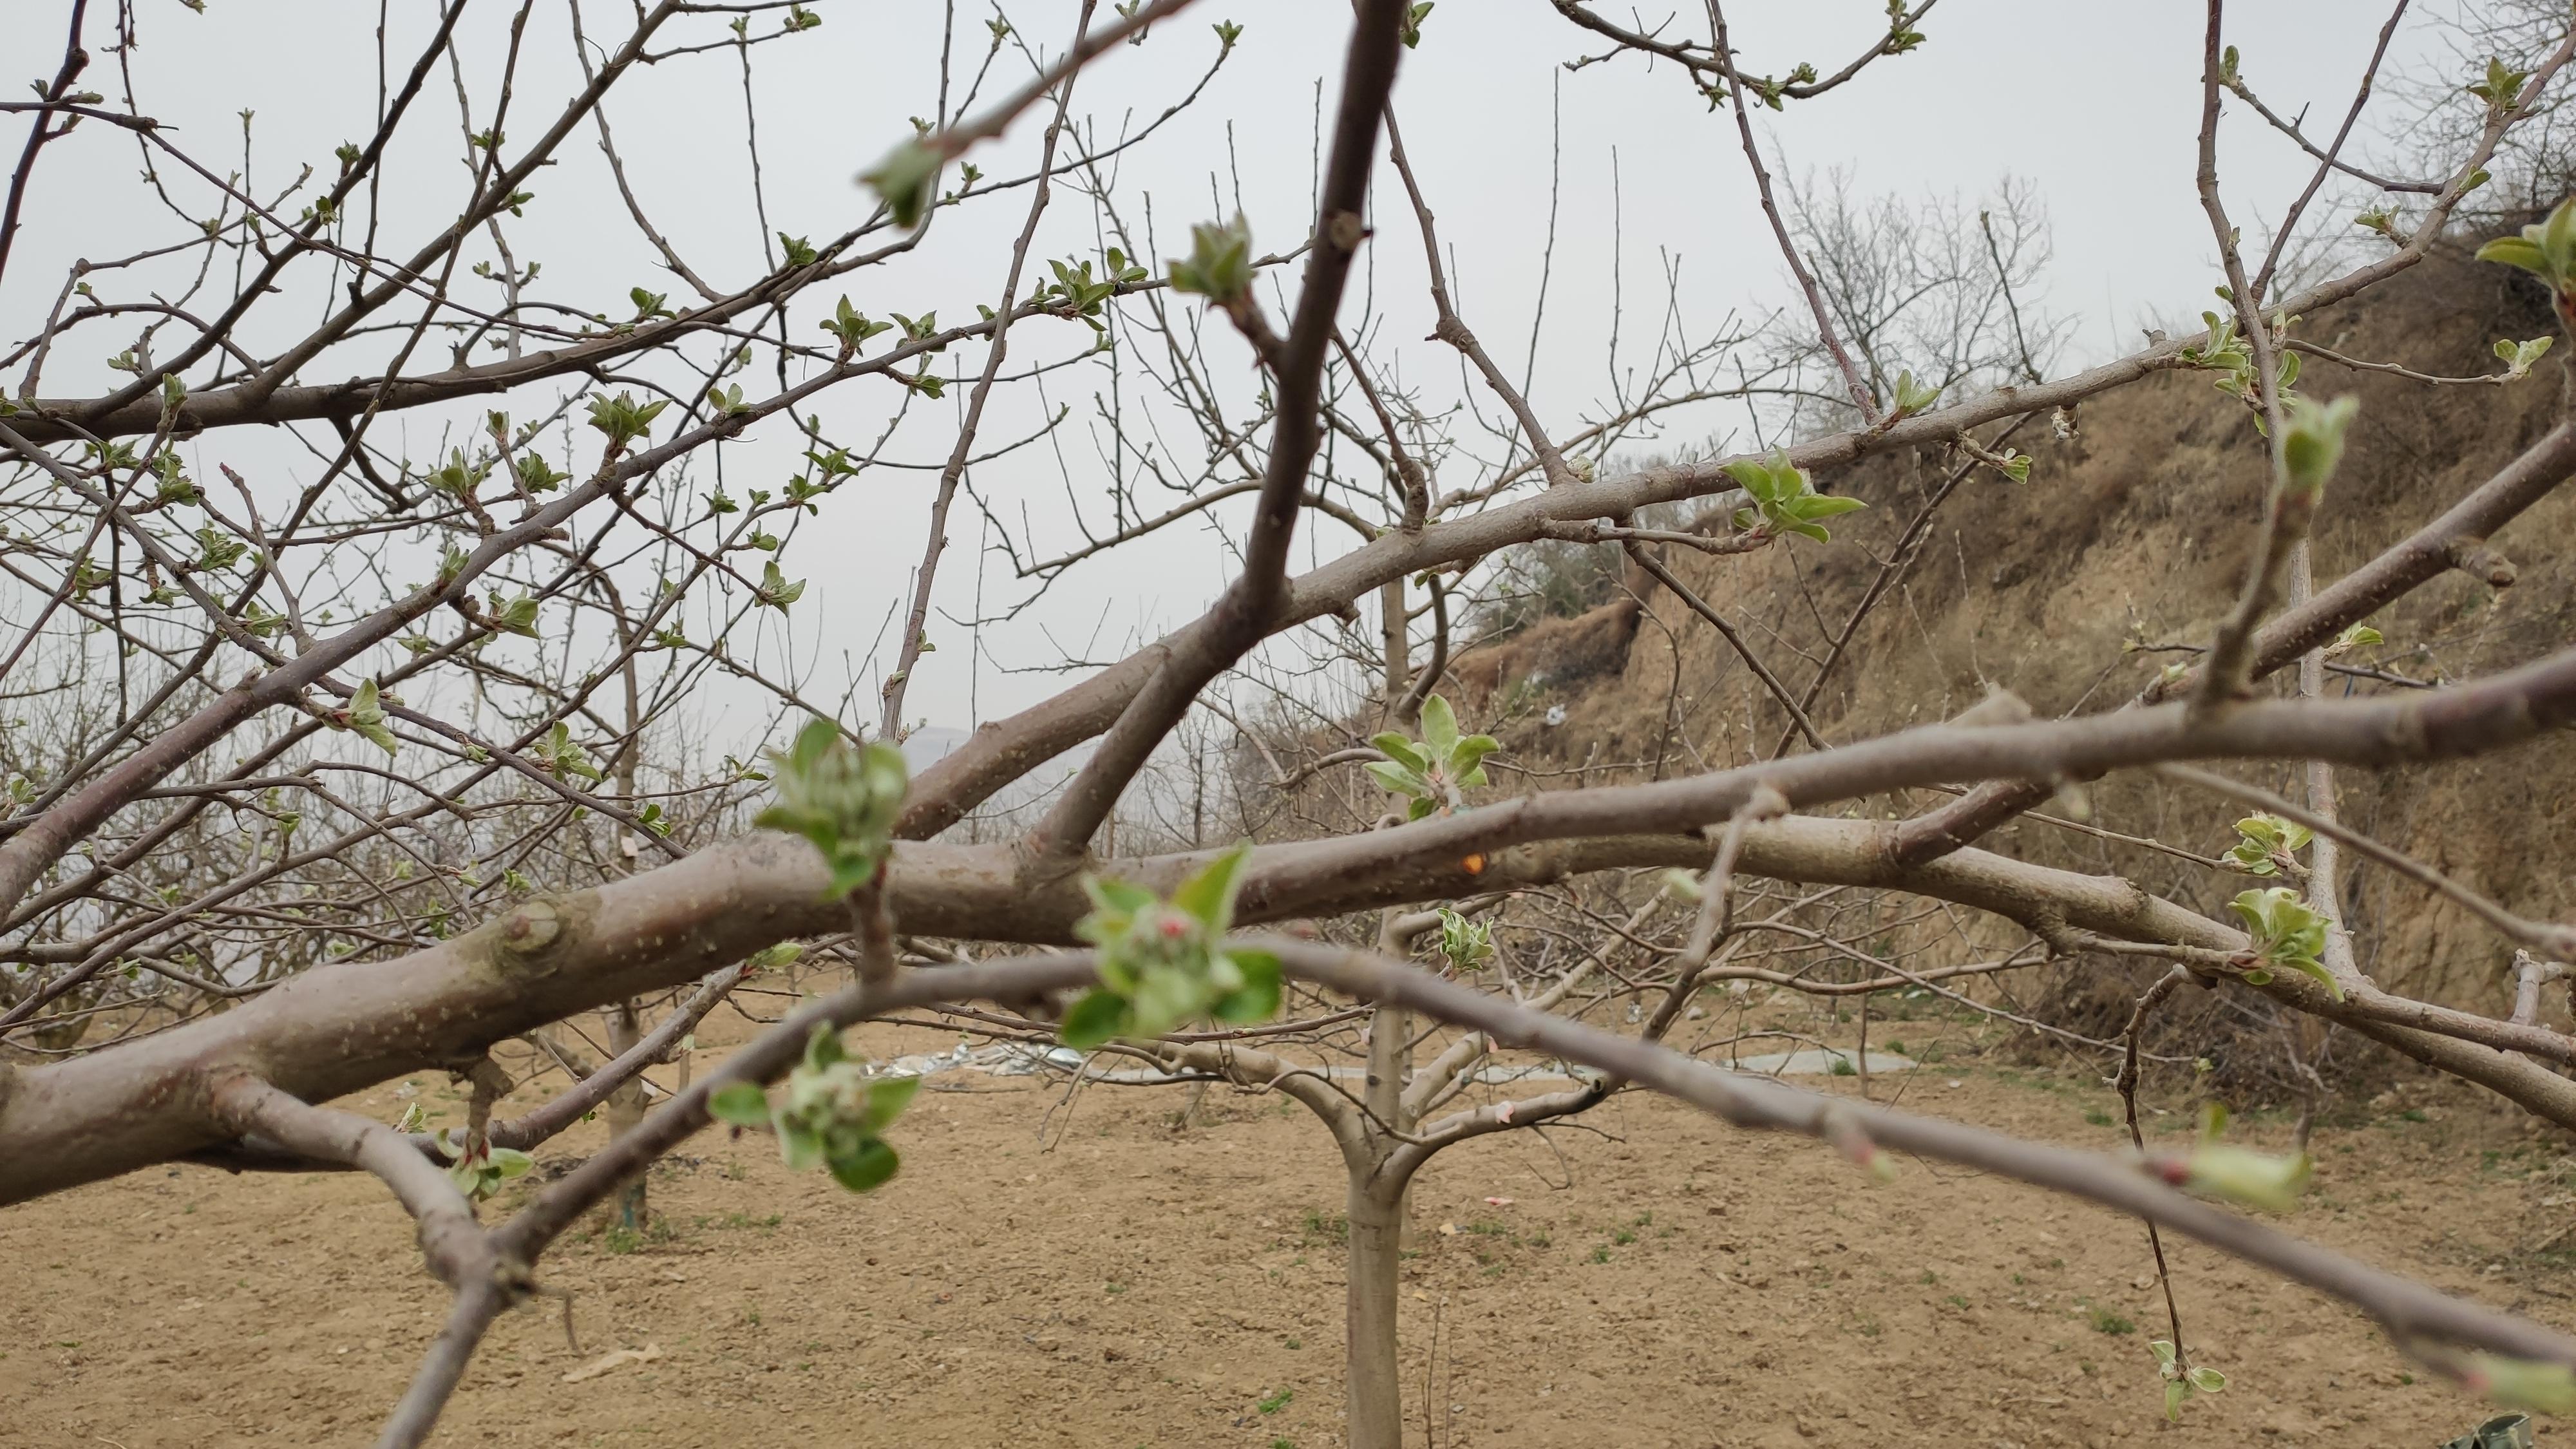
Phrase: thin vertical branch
(1833,343)
(1249,606)
(917,620)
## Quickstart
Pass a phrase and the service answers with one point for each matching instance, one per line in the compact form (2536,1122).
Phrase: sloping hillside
(2136,532)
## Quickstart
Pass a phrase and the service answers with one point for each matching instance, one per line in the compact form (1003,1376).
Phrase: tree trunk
(625,1111)
(1375,1204)
(1395,645)
(1375,1398)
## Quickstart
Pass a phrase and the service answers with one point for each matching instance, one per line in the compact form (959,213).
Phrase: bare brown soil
(1099,1278)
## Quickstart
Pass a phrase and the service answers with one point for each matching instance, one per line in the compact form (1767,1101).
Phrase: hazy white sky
(2095,104)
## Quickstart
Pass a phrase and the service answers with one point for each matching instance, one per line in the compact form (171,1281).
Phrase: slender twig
(2126,1084)
(917,621)
(2547,937)
(1862,399)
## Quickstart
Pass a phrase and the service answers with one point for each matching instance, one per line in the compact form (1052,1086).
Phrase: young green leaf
(1911,396)
(1208,893)
(906,181)
(842,798)
(1784,499)
(1256,998)
(2286,934)
(776,590)
(2518,1383)
(1219,266)
(366,716)
(2547,250)
(864,1167)
(1093,1021)
(1161,963)
(1410,31)
(2265,844)
(1466,945)
(2314,443)
(623,419)
(741,1104)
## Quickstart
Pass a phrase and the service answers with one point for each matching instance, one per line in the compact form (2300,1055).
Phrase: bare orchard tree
(376,592)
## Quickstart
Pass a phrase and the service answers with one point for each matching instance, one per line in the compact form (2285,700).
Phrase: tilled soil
(1089,1274)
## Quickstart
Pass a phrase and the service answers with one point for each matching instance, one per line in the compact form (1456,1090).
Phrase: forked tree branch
(450,1241)
(1251,607)
(336,1028)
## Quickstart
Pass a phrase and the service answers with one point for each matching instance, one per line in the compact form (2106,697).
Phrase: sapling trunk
(1374,1398)
(1374,1202)
(625,1111)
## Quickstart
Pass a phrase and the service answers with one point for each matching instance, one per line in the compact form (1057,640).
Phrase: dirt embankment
(2136,532)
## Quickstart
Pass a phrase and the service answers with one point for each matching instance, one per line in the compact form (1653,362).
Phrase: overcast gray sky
(2094,104)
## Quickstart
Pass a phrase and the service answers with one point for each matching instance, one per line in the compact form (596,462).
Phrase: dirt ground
(1092,1276)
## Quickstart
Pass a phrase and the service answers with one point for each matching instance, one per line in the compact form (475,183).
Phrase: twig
(2544,936)
(1860,393)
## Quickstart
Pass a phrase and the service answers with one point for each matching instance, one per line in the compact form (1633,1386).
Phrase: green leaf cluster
(2546,249)
(776,590)
(175,485)
(844,798)
(832,1116)
(1075,294)
(2182,1381)
(514,615)
(2500,87)
(366,716)
(2313,444)
(1466,945)
(1164,962)
(1433,772)
(538,476)
(558,754)
(1219,266)
(1901,36)
(2226,352)
(1912,397)
(479,1170)
(460,476)
(1784,499)
(624,419)
(1410,27)
(2518,357)
(2286,934)
(2264,844)
(1771,88)
(851,326)
(217,549)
